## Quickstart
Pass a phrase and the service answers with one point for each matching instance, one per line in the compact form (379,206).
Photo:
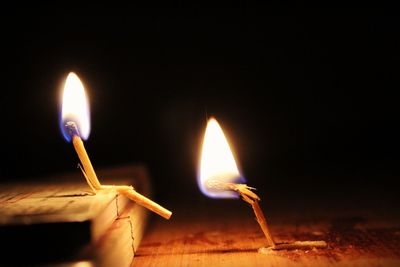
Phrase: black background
(308,97)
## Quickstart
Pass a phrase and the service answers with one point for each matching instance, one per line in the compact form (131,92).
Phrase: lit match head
(217,164)
(75,109)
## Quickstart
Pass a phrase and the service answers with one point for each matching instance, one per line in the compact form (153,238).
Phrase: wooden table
(224,233)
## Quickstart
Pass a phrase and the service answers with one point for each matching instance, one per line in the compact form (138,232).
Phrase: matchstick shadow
(211,251)
(72,195)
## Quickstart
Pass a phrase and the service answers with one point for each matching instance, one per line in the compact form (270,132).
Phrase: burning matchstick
(249,197)
(253,199)
(94,183)
(75,118)
(219,177)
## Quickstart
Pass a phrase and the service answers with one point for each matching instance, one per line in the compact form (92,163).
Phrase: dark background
(308,97)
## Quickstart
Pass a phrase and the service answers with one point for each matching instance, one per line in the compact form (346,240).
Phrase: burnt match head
(70,129)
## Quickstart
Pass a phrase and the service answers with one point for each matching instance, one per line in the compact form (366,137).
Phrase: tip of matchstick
(296,245)
(168,215)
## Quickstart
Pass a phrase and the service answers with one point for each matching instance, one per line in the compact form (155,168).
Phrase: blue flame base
(69,129)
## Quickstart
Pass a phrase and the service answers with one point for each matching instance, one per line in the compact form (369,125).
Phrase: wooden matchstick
(128,191)
(296,245)
(262,222)
(251,198)
(87,165)
(248,196)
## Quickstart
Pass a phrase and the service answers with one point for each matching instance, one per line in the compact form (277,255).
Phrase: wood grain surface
(224,233)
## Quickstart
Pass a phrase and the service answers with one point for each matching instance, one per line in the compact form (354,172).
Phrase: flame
(75,109)
(217,164)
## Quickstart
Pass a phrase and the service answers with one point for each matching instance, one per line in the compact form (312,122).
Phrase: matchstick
(128,191)
(262,222)
(251,198)
(248,196)
(87,165)
(296,245)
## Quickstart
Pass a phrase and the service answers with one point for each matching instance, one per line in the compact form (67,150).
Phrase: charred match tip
(215,184)
(244,190)
(71,129)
